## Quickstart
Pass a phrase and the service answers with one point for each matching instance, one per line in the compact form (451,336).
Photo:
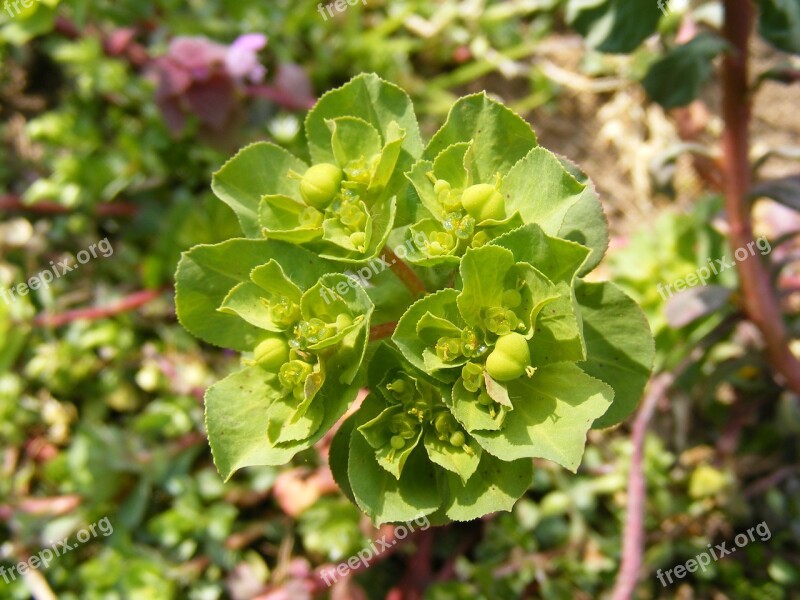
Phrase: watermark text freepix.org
(46,555)
(15,4)
(339,5)
(373,267)
(702,560)
(46,277)
(715,266)
(364,556)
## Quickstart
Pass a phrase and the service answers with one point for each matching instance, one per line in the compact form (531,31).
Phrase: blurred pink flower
(241,59)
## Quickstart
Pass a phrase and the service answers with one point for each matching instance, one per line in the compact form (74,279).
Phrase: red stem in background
(15,203)
(633,536)
(759,300)
(128,303)
(405,273)
(384,330)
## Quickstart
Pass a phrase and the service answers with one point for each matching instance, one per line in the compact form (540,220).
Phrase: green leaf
(238,418)
(501,137)
(289,423)
(456,460)
(541,190)
(495,486)
(779,23)
(470,413)
(614,25)
(619,345)
(678,76)
(553,410)
(245,300)
(207,273)
(339,455)
(377,492)
(585,223)
(390,154)
(279,217)
(441,304)
(380,103)
(255,171)
(382,220)
(377,434)
(559,260)
(352,139)
(484,273)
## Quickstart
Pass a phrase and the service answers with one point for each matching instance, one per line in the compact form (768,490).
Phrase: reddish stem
(760,302)
(633,537)
(405,273)
(127,304)
(117,209)
(384,330)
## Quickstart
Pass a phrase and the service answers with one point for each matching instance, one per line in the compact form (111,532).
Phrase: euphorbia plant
(508,355)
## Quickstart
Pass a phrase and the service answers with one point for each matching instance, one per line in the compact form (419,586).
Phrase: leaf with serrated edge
(553,410)
(378,493)
(256,170)
(495,486)
(619,344)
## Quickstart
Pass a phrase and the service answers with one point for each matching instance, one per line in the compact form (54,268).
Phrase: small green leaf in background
(617,26)
(678,77)
(779,23)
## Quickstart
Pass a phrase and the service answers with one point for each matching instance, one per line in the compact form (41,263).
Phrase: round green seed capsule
(441,186)
(272,352)
(441,423)
(357,239)
(510,357)
(398,442)
(482,201)
(457,439)
(320,184)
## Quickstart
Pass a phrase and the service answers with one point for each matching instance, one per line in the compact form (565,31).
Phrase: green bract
(509,356)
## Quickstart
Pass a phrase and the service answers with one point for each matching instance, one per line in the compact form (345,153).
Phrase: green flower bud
(358,172)
(448,348)
(440,243)
(272,352)
(310,217)
(313,331)
(457,439)
(500,320)
(472,376)
(441,186)
(353,216)
(403,425)
(320,184)
(294,373)
(510,358)
(470,343)
(343,321)
(485,399)
(358,239)
(282,311)
(482,201)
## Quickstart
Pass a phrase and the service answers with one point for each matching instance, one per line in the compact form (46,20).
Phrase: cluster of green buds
(464,215)
(331,192)
(469,344)
(448,430)
(415,412)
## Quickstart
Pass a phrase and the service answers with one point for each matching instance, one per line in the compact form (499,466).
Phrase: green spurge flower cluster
(510,355)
